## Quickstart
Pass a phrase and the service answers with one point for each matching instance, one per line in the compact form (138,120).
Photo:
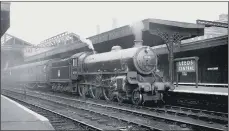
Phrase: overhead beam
(212,23)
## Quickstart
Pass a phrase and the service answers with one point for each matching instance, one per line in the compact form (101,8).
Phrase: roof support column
(171,40)
(170,43)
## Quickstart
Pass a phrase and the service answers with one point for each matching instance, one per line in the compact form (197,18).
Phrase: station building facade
(212,63)
(212,51)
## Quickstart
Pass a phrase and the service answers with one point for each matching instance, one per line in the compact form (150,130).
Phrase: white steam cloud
(88,42)
(137,28)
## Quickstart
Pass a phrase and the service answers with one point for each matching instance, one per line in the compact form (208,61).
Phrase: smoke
(137,28)
(88,42)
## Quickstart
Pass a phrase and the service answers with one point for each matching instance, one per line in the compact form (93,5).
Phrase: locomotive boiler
(143,60)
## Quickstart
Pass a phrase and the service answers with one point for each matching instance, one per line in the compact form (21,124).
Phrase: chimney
(138,43)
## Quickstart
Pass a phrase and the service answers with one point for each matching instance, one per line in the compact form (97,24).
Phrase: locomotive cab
(77,64)
(74,68)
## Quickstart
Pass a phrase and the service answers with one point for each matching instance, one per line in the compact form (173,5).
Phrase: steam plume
(88,42)
(137,28)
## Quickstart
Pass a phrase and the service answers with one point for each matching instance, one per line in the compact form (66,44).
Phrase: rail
(203,84)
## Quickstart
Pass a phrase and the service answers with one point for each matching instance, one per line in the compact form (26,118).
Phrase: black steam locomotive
(121,74)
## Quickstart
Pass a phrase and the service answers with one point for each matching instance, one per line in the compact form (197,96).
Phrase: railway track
(88,120)
(205,115)
(183,100)
(168,117)
(58,121)
(209,116)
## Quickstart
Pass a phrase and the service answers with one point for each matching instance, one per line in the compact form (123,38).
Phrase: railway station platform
(17,117)
(210,90)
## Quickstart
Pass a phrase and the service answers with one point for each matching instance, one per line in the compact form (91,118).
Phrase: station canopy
(154,33)
(153,28)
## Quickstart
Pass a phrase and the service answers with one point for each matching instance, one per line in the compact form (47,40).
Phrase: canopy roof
(124,37)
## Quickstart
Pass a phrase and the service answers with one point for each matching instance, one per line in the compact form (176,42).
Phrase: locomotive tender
(123,74)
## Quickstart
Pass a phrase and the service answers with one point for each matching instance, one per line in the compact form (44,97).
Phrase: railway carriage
(32,73)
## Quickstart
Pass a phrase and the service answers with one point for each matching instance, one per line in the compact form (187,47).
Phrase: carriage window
(75,62)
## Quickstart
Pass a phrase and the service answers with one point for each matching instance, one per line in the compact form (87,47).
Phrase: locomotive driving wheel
(108,93)
(120,97)
(95,92)
(137,97)
(82,90)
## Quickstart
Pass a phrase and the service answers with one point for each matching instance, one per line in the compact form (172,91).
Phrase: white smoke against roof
(137,28)
(88,42)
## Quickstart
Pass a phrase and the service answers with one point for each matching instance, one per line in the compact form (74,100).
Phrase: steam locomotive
(121,74)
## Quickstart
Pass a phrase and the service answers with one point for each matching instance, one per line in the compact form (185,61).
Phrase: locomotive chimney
(137,28)
(138,43)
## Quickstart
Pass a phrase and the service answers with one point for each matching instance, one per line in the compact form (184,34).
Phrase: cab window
(75,62)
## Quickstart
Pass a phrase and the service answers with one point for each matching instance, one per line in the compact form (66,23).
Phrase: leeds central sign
(186,66)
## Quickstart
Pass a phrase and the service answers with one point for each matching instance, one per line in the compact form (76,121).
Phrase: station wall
(212,65)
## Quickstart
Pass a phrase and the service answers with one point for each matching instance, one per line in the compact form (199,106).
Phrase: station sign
(186,66)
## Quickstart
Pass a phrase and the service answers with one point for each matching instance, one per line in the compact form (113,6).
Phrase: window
(75,62)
